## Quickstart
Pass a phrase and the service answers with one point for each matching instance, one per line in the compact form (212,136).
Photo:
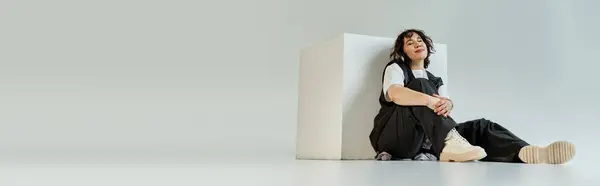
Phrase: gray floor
(281,172)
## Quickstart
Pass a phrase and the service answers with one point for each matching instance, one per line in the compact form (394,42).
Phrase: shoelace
(456,137)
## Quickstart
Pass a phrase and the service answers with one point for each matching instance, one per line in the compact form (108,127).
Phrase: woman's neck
(417,65)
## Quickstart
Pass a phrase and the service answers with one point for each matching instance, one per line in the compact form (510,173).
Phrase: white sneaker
(458,149)
(558,152)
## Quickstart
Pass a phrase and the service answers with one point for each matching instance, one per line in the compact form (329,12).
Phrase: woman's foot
(558,152)
(458,149)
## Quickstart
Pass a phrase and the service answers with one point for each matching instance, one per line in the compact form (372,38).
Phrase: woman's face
(415,48)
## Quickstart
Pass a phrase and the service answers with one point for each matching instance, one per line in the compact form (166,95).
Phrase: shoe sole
(473,155)
(558,152)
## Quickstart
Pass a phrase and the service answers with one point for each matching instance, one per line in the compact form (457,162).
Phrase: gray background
(209,77)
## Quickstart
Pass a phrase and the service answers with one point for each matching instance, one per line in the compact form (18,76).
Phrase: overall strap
(408,74)
(437,81)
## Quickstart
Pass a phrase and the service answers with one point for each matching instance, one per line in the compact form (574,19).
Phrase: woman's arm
(445,105)
(407,97)
(394,90)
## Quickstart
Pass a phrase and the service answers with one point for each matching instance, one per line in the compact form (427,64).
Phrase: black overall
(401,130)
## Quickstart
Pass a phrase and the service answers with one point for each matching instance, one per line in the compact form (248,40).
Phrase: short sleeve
(393,74)
(443,90)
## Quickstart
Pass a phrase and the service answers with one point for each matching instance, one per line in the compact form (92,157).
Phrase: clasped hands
(441,105)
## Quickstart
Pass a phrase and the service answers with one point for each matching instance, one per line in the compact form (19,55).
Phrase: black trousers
(500,144)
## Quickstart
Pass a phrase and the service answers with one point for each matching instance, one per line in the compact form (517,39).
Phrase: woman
(414,120)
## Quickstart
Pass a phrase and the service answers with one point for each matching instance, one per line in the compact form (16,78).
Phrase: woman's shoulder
(395,65)
(429,73)
(437,80)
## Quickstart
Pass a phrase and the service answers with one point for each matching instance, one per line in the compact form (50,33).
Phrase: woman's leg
(393,137)
(436,127)
(502,145)
(446,142)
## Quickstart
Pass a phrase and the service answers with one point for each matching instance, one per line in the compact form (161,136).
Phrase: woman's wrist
(431,101)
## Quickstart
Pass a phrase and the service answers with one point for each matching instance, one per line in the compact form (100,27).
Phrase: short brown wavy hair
(398,50)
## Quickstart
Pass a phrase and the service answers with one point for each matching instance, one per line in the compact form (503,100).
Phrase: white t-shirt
(393,74)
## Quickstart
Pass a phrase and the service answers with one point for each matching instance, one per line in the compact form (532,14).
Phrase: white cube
(340,83)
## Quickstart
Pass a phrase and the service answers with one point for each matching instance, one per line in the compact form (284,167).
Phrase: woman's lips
(419,50)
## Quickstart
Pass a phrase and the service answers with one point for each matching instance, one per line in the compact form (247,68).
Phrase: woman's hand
(432,101)
(443,107)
